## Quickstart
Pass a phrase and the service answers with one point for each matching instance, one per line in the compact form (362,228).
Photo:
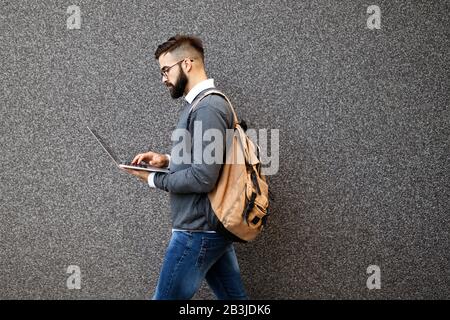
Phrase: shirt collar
(199,87)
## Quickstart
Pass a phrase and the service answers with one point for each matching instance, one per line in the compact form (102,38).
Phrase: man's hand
(143,175)
(152,158)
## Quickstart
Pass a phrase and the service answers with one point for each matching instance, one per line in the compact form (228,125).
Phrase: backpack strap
(204,95)
(235,118)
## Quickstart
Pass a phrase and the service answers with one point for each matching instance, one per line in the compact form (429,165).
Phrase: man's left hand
(143,175)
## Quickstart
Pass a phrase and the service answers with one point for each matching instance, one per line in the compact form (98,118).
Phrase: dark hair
(180,41)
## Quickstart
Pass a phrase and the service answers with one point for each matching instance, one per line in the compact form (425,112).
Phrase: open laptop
(128,165)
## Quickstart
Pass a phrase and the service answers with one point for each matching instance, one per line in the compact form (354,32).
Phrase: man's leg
(224,277)
(179,277)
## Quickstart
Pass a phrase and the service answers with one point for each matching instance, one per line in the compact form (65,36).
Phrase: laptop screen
(105,146)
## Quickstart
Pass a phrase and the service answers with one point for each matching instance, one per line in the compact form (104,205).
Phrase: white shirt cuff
(150,180)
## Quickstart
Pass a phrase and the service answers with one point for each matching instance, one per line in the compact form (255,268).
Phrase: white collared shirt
(199,87)
(192,94)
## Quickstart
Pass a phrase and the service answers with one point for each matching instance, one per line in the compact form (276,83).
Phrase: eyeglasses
(165,71)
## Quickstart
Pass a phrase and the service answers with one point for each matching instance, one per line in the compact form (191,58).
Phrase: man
(195,251)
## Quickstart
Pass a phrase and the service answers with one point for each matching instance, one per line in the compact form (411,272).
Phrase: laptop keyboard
(141,165)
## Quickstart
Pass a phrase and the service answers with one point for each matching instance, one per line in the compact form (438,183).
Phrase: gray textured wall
(364,157)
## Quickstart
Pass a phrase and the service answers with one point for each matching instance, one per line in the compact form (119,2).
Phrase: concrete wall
(363,116)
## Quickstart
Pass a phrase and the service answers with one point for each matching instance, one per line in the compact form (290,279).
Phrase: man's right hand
(152,158)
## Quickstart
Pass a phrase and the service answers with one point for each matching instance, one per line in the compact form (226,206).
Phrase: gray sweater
(189,184)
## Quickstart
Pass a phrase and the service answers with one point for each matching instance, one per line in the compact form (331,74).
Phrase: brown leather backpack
(240,199)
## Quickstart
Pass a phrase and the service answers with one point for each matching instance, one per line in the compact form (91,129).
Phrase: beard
(177,90)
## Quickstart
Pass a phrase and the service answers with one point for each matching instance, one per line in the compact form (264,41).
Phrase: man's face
(173,75)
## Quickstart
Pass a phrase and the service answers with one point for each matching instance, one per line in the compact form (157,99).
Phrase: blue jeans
(194,256)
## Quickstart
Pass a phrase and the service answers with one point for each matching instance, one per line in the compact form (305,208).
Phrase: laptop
(128,165)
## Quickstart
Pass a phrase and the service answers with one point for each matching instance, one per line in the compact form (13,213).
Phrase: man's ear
(188,65)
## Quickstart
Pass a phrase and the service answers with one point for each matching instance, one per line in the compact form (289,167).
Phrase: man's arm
(200,177)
